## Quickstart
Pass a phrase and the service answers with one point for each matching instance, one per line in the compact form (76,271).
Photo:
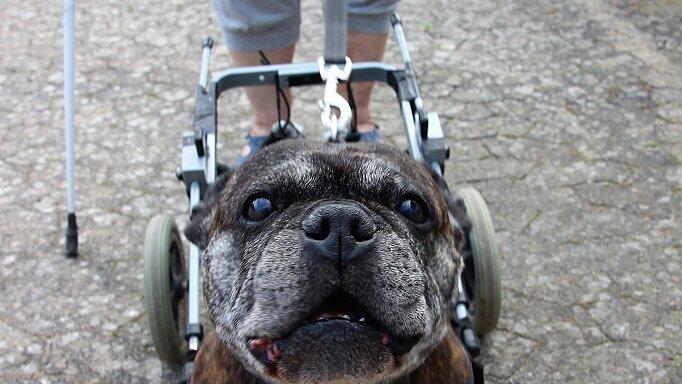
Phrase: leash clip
(331,74)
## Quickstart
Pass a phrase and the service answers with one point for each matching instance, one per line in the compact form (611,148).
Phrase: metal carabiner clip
(331,74)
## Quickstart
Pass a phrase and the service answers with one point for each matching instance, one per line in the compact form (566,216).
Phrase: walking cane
(71,226)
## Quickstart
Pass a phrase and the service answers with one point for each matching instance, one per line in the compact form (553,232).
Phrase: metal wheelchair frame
(426,143)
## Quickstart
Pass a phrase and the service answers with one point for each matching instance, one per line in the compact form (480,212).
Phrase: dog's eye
(413,209)
(259,208)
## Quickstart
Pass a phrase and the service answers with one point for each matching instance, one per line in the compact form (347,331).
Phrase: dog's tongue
(332,350)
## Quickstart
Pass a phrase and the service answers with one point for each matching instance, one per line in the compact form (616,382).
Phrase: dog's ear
(199,227)
(456,211)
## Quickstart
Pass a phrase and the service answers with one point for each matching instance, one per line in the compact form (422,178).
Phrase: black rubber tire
(165,280)
(483,282)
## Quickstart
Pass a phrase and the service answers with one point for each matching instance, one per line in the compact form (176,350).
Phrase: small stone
(670,112)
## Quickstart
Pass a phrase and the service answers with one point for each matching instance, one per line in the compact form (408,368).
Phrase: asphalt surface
(566,115)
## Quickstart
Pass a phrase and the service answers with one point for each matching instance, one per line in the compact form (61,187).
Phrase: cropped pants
(253,25)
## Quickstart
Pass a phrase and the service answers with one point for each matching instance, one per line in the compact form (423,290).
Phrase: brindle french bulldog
(330,263)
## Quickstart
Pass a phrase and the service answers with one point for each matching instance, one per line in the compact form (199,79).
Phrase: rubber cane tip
(71,250)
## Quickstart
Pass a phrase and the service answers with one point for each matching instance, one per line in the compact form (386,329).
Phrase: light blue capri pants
(253,25)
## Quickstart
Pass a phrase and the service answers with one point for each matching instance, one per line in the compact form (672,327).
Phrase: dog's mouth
(340,337)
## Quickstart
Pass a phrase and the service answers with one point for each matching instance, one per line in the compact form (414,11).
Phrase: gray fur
(258,282)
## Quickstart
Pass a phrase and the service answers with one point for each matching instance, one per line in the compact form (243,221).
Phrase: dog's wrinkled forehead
(304,169)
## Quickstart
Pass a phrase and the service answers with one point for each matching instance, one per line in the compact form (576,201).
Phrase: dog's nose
(340,231)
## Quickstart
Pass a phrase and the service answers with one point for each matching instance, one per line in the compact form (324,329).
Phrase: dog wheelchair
(172,283)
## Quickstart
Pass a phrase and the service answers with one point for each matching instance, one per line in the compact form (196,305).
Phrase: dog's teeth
(337,315)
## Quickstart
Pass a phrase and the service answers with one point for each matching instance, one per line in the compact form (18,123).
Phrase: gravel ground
(567,115)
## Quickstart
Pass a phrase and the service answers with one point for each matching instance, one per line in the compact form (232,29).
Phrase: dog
(330,263)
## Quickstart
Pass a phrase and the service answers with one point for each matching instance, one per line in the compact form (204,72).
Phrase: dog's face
(328,263)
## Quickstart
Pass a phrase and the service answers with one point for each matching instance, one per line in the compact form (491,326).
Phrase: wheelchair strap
(477,368)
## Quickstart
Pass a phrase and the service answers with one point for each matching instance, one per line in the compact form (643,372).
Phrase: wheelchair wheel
(165,280)
(481,275)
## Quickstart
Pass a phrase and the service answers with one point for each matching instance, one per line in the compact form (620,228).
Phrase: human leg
(368,22)
(260,25)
